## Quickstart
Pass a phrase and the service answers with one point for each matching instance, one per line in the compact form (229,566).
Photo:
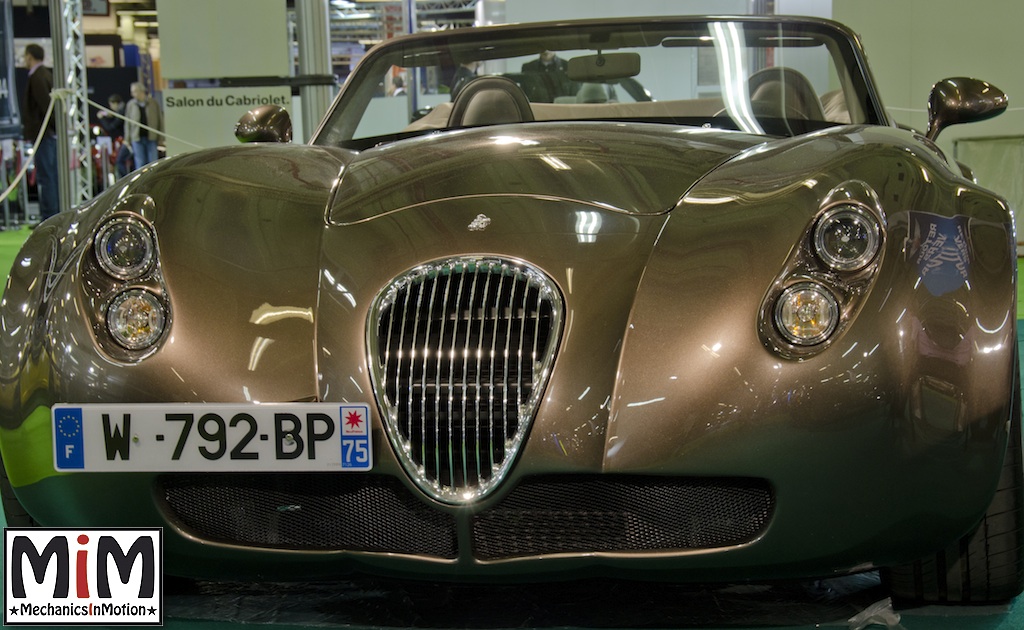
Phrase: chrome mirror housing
(267,123)
(961,100)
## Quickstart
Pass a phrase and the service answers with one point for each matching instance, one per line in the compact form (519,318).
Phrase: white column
(313,32)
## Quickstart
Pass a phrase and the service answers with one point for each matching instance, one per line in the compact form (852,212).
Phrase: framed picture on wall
(95,7)
(45,42)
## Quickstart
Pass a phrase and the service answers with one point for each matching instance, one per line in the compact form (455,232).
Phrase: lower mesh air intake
(569,514)
(312,511)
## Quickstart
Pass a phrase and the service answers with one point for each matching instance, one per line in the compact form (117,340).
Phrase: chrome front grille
(461,350)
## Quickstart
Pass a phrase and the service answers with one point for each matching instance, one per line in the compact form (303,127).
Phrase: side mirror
(962,100)
(267,123)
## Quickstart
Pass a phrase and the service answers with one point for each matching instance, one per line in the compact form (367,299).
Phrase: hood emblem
(480,223)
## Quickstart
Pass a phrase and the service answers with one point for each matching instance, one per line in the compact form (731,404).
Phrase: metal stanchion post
(23,186)
(104,173)
(6,202)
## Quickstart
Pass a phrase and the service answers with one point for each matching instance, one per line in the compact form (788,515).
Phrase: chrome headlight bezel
(857,219)
(125,231)
(151,331)
(824,301)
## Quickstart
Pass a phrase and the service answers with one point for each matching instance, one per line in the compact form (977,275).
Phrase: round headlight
(125,248)
(847,238)
(806,314)
(136,319)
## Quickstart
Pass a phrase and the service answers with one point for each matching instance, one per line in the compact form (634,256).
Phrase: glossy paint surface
(668,244)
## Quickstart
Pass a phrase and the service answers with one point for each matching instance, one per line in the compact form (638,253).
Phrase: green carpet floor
(10,243)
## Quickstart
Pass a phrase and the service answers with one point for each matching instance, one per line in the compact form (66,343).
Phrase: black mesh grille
(317,511)
(562,514)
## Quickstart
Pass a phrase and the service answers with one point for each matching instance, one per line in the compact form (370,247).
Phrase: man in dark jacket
(554,74)
(37,101)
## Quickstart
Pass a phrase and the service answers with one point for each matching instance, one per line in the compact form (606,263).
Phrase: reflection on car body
(711,316)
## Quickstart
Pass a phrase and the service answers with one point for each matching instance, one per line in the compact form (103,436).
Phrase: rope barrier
(128,120)
(64,94)
(35,145)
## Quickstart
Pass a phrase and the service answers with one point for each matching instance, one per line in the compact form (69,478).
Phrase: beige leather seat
(785,91)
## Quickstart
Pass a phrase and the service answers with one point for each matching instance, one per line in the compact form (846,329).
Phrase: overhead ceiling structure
(375,20)
(351,21)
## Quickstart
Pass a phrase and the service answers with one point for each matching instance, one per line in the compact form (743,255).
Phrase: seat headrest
(787,89)
(490,101)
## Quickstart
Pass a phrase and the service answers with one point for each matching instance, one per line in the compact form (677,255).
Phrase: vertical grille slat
(414,345)
(424,438)
(490,328)
(479,370)
(498,431)
(439,400)
(493,359)
(519,353)
(467,442)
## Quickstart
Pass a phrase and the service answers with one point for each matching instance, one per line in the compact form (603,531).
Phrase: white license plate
(212,437)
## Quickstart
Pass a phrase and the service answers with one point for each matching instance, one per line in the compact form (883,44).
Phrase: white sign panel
(206,117)
(200,39)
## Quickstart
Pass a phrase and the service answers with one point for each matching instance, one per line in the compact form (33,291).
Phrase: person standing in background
(114,127)
(554,74)
(142,112)
(399,86)
(36,102)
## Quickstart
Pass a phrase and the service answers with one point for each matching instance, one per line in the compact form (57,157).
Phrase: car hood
(628,167)
(253,273)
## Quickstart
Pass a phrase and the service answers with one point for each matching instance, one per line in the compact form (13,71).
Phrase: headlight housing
(806,313)
(136,319)
(847,238)
(125,247)
(827,278)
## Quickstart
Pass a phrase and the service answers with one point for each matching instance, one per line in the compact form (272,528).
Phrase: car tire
(987,565)
(14,512)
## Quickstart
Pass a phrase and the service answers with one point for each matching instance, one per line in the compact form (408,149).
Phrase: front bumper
(885,490)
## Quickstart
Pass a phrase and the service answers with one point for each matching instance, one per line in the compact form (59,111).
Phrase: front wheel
(987,565)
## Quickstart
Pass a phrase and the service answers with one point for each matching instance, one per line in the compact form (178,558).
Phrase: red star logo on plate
(353,419)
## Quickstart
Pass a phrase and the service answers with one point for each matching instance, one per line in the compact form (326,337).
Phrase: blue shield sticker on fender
(938,246)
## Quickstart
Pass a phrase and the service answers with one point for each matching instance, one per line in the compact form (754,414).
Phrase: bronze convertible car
(685,304)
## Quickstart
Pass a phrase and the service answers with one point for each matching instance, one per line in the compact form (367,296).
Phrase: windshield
(779,78)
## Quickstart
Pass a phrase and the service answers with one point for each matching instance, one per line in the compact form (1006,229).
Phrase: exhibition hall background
(188,47)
